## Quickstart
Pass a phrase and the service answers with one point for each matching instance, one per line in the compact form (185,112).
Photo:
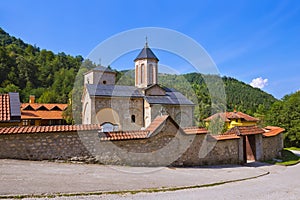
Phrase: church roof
(146,53)
(113,90)
(172,97)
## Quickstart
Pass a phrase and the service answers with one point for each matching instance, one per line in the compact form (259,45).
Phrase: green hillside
(50,77)
(29,70)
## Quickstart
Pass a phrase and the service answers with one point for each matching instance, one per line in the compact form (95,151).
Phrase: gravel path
(26,177)
(280,184)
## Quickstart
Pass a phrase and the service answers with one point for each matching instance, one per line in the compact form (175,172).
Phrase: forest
(51,77)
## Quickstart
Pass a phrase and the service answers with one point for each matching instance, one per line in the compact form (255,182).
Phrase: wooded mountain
(28,70)
(50,77)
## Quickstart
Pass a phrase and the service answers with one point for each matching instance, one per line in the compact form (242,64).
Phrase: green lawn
(287,158)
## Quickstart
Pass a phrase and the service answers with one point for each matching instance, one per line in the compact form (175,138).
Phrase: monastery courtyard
(252,181)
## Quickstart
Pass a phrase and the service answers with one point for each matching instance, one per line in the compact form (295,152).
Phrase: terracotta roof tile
(244,130)
(4,108)
(227,116)
(226,137)
(157,123)
(195,130)
(42,111)
(47,106)
(48,129)
(272,131)
(41,114)
(123,135)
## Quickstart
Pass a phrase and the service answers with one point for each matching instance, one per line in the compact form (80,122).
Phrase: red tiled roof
(226,137)
(244,130)
(195,130)
(156,123)
(4,108)
(107,136)
(48,129)
(272,131)
(28,114)
(41,114)
(227,116)
(123,135)
(48,106)
(42,110)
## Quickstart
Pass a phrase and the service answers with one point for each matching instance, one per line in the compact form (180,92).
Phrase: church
(122,108)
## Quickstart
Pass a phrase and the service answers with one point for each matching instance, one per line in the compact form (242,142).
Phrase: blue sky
(248,40)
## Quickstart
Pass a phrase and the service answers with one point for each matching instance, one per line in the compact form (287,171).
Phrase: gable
(42,107)
(154,90)
(28,107)
(57,108)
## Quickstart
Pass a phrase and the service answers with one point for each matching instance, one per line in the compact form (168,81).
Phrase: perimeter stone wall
(169,147)
(272,146)
(42,146)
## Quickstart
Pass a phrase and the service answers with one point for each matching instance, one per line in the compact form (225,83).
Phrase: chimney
(31,99)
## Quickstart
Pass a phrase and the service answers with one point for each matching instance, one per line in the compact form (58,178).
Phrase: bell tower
(146,70)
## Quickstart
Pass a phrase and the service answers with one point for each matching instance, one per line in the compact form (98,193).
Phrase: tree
(10,88)
(48,97)
(286,114)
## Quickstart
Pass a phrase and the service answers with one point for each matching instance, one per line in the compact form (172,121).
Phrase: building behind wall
(42,114)
(132,107)
(10,114)
(233,119)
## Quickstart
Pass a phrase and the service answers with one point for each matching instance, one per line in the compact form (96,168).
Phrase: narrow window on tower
(132,118)
(142,73)
(150,74)
(154,71)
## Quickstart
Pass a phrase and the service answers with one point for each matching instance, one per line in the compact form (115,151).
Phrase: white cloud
(259,82)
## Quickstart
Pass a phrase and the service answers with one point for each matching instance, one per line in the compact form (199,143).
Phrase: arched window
(154,72)
(142,73)
(137,74)
(150,74)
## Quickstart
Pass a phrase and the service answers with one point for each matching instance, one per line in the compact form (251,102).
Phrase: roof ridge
(147,53)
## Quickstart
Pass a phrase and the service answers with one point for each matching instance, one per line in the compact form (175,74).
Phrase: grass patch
(287,158)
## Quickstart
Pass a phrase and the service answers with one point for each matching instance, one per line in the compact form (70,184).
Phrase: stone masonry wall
(125,108)
(272,146)
(159,150)
(42,146)
(206,150)
(168,147)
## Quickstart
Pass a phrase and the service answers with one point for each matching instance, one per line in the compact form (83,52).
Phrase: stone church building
(119,107)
